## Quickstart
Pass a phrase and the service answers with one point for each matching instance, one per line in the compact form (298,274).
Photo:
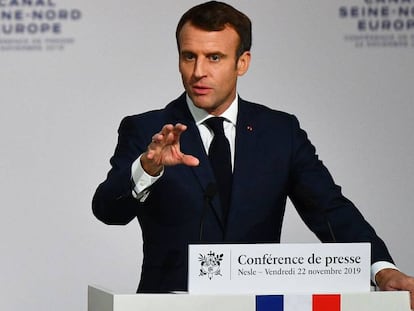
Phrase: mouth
(201,89)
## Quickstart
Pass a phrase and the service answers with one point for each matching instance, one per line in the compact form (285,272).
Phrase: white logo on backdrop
(36,25)
(378,23)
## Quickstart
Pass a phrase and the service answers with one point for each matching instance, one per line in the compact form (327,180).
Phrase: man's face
(209,68)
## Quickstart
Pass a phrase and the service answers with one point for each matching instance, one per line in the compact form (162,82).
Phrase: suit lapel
(245,143)
(245,146)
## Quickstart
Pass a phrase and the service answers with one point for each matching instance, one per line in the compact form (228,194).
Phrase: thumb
(190,160)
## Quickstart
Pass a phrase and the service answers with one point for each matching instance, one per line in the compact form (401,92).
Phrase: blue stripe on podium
(269,303)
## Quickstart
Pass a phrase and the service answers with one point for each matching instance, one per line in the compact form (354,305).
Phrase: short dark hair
(215,16)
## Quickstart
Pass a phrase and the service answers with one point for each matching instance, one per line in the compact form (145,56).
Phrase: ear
(243,63)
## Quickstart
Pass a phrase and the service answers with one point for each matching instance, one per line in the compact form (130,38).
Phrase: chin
(202,104)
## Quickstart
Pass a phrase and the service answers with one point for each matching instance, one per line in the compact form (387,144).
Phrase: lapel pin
(249,128)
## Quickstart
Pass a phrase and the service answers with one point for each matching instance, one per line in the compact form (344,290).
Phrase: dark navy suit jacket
(274,160)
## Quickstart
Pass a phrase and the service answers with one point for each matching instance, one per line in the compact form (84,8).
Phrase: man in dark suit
(161,172)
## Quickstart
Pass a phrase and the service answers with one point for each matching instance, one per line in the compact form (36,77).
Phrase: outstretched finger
(161,136)
(166,129)
(178,130)
(170,134)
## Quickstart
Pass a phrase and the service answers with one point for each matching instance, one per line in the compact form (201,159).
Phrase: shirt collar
(200,115)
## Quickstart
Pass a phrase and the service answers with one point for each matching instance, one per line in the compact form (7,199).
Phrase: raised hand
(164,150)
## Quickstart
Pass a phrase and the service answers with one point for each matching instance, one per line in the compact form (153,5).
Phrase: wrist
(150,167)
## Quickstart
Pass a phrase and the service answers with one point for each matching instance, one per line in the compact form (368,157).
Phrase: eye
(188,56)
(215,57)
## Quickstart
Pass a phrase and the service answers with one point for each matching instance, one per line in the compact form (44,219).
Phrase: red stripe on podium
(331,302)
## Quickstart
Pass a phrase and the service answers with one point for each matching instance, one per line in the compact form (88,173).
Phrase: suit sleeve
(320,203)
(113,202)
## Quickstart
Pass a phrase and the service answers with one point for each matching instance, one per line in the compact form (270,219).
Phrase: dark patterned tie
(220,159)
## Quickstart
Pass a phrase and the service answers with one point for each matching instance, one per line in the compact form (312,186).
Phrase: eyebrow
(183,52)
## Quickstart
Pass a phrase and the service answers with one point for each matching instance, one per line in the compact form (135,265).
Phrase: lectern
(100,299)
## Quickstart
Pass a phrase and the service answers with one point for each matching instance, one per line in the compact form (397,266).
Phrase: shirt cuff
(141,181)
(378,266)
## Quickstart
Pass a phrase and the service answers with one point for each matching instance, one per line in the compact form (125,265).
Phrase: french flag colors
(316,302)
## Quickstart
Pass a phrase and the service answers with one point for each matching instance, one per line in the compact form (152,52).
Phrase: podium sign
(279,268)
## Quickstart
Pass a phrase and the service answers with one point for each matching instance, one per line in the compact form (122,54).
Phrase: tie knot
(216,125)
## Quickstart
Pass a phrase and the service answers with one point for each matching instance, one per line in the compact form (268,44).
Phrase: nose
(199,68)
